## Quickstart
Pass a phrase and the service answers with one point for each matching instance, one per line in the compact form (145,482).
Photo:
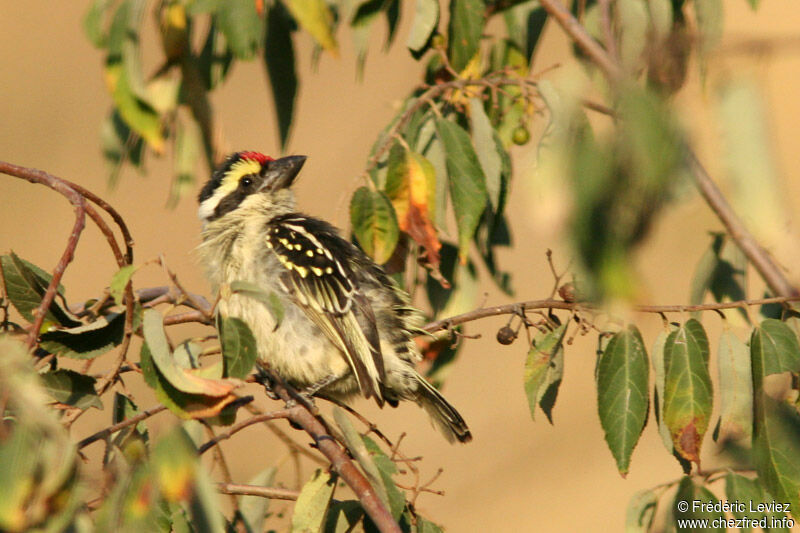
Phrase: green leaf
(396,499)
(120,281)
(215,58)
(689,493)
(544,367)
(93,22)
(524,24)
(777,347)
(119,145)
(374,223)
(776,446)
(280,60)
(268,298)
(86,341)
(709,15)
(124,408)
(316,18)
(180,478)
(239,22)
(180,378)
(343,517)
(467,182)
(72,388)
(622,398)
(688,393)
(735,388)
(426,526)
(184,405)
(466,27)
(188,151)
(641,511)
(253,508)
(313,502)
(239,351)
(426,19)
(358,449)
(749,493)
(722,270)
(633,21)
(26,285)
(660,374)
(124,77)
(483,136)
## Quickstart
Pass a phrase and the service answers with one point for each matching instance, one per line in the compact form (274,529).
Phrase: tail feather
(444,415)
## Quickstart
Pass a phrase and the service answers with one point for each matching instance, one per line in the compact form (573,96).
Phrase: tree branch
(770,272)
(103,433)
(240,426)
(756,254)
(508,309)
(78,202)
(340,462)
(273,493)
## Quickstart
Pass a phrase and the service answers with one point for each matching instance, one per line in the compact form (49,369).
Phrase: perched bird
(347,328)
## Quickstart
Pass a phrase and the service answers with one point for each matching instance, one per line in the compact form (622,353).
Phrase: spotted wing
(325,289)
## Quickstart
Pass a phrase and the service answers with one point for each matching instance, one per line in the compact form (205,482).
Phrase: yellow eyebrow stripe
(241,168)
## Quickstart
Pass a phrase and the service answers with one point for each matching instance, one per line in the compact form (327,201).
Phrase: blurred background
(517,475)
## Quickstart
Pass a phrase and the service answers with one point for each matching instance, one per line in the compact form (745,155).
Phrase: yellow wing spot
(309,253)
(301,270)
(316,270)
(319,251)
(269,245)
(329,270)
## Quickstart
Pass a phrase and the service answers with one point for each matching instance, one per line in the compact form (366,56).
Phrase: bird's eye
(246,182)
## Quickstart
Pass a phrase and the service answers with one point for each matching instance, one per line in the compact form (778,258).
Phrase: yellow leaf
(316,18)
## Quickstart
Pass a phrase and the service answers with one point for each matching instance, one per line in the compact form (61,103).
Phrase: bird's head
(249,179)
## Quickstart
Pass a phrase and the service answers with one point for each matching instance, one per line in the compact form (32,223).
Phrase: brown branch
(578,33)
(770,272)
(286,439)
(760,259)
(273,493)
(103,433)
(491,81)
(78,202)
(507,309)
(240,426)
(188,316)
(114,214)
(340,462)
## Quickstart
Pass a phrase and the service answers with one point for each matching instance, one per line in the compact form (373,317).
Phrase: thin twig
(103,433)
(240,426)
(484,312)
(273,493)
(772,274)
(340,462)
(219,457)
(286,439)
(79,204)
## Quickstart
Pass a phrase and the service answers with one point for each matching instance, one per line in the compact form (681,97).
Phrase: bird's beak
(282,172)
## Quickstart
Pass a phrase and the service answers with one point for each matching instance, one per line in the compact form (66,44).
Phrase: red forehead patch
(255,156)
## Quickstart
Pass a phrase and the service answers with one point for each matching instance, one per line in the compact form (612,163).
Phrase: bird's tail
(444,415)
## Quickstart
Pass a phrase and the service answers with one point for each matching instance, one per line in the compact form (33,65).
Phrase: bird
(347,329)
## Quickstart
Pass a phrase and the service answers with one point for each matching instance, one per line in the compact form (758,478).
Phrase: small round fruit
(506,335)
(521,135)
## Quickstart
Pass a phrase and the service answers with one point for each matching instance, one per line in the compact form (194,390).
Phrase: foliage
(443,161)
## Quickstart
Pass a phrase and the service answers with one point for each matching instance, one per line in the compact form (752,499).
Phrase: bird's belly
(297,350)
